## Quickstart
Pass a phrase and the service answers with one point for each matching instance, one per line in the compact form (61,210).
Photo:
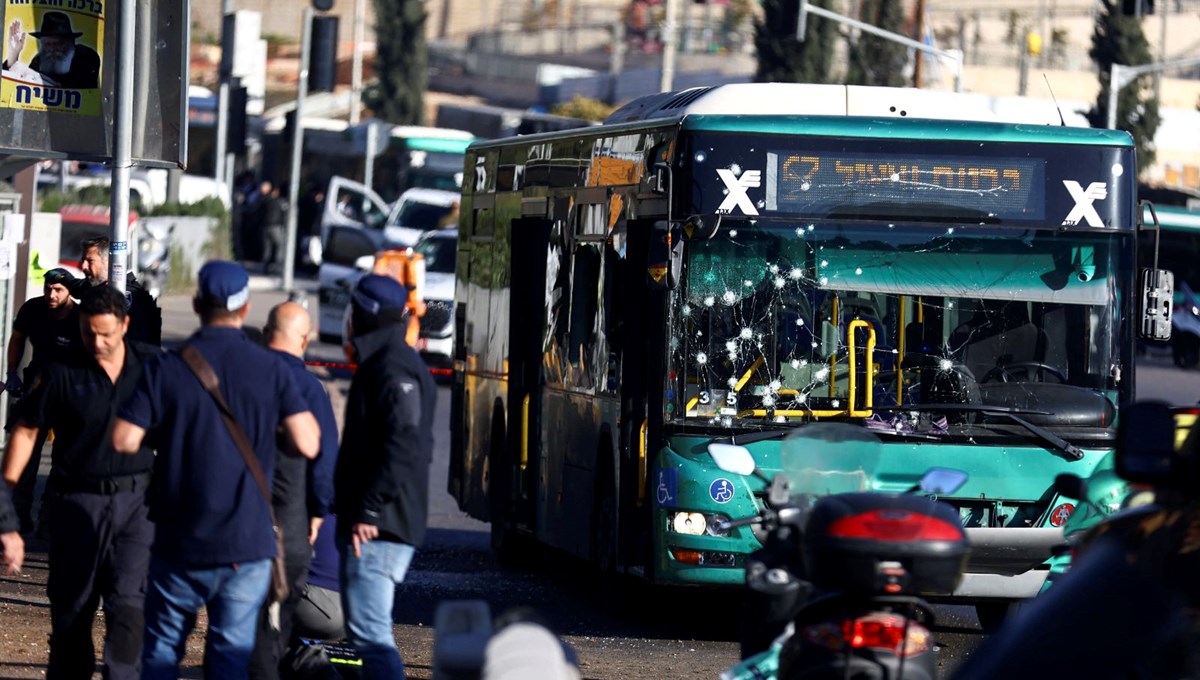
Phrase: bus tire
(992,615)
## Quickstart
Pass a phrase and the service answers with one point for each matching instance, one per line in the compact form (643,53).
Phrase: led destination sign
(1002,188)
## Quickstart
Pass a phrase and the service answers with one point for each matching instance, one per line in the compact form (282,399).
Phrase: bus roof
(909,128)
(1170,217)
(807,99)
(810,109)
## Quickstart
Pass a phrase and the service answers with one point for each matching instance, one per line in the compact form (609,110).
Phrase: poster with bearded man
(59,69)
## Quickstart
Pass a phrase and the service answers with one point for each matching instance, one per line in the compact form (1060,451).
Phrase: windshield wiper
(1066,448)
(751,437)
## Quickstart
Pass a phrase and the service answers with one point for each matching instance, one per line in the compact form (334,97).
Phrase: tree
(396,95)
(875,60)
(1118,39)
(782,58)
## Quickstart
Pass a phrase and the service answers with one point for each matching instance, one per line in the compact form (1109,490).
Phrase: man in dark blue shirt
(100,529)
(302,491)
(213,539)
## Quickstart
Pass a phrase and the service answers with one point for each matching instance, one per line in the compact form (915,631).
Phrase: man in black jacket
(145,317)
(382,476)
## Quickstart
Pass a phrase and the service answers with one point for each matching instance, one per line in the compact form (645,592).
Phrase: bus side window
(584,304)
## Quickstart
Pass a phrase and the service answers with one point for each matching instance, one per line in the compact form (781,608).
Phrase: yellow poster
(52,55)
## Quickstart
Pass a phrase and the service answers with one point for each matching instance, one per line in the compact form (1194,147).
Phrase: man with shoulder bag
(212,411)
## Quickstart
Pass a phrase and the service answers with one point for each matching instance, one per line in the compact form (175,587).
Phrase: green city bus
(733,263)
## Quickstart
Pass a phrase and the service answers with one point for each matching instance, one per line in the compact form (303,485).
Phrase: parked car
(353,204)
(352,254)
(436,342)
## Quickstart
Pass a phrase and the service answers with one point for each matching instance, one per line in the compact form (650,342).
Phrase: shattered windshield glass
(781,321)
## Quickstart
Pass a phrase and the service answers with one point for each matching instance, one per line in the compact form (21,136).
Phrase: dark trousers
(271,643)
(99,550)
(23,492)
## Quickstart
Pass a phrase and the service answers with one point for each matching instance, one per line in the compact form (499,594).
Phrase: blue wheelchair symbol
(721,490)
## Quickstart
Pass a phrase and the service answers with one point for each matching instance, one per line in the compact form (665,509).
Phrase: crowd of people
(211,476)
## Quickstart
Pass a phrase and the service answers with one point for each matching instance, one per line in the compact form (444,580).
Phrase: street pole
(806,8)
(118,248)
(289,249)
(227,42)
(670,40)
(1120,75)
(356,84)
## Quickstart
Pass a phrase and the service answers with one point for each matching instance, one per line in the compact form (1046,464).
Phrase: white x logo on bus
(737,187)
(1083,202)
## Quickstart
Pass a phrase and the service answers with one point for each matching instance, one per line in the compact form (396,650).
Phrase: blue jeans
(368,593)
(174,593)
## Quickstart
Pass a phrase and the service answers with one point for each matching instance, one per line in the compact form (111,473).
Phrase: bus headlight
(698,524)
(690,523)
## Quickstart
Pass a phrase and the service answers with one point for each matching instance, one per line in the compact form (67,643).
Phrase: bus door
(528,244)
(642,348)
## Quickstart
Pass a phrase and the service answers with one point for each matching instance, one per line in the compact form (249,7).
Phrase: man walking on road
(382,478)
(50,323)
(100,529)
(302,491)
(213,540)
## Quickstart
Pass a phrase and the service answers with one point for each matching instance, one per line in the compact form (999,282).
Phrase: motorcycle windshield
(820,459)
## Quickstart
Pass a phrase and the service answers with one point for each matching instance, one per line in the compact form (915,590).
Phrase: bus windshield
(785,320)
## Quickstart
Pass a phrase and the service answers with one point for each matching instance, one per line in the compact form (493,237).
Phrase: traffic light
(235,140)
(322,61)
(1133,8)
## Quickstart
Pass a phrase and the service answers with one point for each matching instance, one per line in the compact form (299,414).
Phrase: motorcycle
(837,589)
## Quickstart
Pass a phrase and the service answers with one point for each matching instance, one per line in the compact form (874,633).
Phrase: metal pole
(875,30)
(356,84)
(289,249)
(118,249)
(1114,86)
(227,42)
(670,39)
(1162,49)
(369,161)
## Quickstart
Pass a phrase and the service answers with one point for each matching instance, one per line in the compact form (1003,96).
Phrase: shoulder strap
(208,378)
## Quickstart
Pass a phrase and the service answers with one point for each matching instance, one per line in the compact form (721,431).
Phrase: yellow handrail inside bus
(749,372)
(869,399)
(641,495)
(525,433)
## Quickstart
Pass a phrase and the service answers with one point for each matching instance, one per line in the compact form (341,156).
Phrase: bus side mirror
(664,258)
(1158,292)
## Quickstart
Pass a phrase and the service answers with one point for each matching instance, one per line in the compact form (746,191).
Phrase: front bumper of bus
(692,495)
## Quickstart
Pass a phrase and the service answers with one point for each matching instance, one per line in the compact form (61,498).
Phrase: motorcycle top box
(871,543)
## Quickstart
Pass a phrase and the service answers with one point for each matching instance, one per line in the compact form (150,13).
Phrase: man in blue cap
(214,539)
(381,484)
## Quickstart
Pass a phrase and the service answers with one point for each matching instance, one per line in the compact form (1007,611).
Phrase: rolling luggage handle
(204,372)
